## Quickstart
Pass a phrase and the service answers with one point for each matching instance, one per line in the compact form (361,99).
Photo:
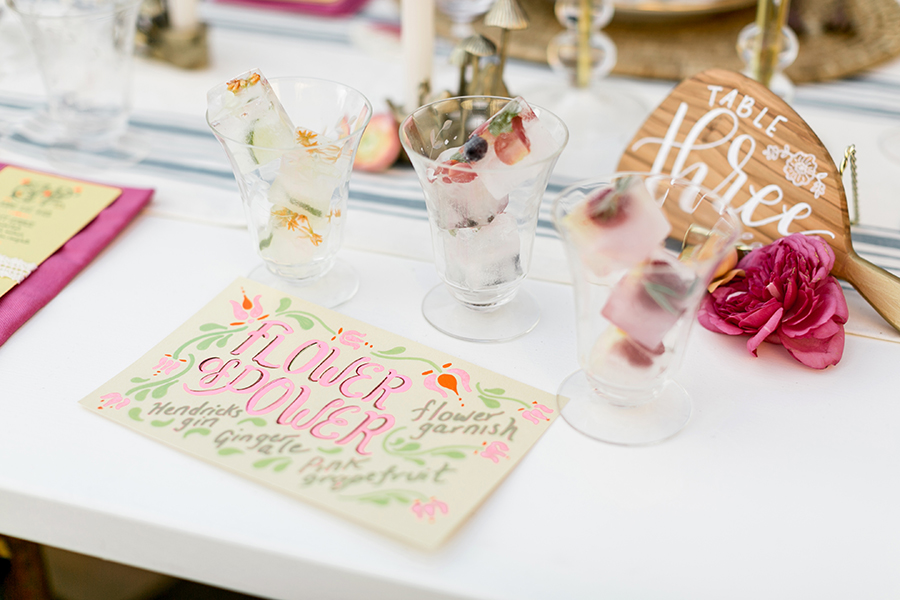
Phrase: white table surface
(783,485)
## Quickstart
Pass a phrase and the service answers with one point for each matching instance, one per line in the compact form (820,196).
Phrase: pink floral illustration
(450,379)
(495,451)
(536,414)
(421,509)
(114,400)
(784,295)
(247,311)
(351,338)
(167,364)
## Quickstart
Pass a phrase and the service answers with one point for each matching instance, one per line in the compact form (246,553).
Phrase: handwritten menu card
(38,214)
(354,419)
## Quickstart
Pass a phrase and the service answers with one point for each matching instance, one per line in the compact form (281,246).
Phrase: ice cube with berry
(459,198)
(617,226)
(514,135)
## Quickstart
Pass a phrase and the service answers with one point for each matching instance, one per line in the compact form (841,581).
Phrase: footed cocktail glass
(639,274)
(295,187)
(483,184)
(84,53)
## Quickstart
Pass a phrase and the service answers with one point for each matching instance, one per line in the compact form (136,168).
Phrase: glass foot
(506,322)
(336,286)
(119,152)
(595,416)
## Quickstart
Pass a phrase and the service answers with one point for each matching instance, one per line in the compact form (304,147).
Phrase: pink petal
(710,319)
(257,307)
(814,352)
(239,313)
(771,325)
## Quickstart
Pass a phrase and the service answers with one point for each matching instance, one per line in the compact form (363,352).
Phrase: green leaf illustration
(135,413)
(449,453)
(161,423)
(384,498)
(204,344)
(229,451)
(489,402)
(397,442)
(304,322)
(496,391)
(397,350)
(138,380)
(223,341)
(142,394)
(254,420)
(200,430)
(329,450)
(283,463)
(283,305)
(163,390)
(410,447)
(211,327)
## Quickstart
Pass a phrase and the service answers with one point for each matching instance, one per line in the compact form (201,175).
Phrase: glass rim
(106,8)
(340,140)
(591,181)
(538,108)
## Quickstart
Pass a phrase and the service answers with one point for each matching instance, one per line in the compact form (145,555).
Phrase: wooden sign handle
(880,288)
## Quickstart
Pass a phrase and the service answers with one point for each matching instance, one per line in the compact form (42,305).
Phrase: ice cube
(616,227)
(458,198)
(512,137)
(305,183)
(482,257)
(246,110)
(648,301)
(618,360)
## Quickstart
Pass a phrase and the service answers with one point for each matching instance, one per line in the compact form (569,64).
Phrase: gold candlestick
(770,19)
(583,65)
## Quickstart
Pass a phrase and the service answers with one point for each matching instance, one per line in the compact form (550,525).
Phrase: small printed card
(382,430)
(38,214)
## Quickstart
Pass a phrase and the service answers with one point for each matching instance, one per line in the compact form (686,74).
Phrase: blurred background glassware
(84,51)
(747,46)
(602,115)
(462,13)
(295,199)
(483,262)
(624,393)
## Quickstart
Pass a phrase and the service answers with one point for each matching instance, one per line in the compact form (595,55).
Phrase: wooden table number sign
(732,135)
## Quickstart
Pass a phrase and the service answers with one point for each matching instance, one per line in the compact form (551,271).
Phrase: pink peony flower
(786,296)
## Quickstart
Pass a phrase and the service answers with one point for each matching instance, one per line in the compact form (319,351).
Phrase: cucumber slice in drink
(268,139)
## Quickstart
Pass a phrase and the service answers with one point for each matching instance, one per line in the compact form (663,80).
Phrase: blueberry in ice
(475,149)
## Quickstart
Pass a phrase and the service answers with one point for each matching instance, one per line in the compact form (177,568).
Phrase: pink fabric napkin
(52,275)
(327,8)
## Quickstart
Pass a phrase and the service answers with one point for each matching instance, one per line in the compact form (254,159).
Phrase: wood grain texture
(736,129)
